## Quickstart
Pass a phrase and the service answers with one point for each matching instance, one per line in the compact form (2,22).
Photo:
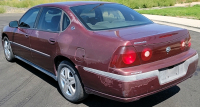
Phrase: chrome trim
(30,49)
(168,49)
(140,42)
(37,67)
(61,20)
(155,73)
(40,52)
(20,45)
(111,75)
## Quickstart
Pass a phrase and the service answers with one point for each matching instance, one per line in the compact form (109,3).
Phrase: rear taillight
(129,57)
(146,54)
(189,42)
(183,45)
(186,44)
(125,57)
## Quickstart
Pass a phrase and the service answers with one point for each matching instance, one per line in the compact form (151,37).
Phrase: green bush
(2,10)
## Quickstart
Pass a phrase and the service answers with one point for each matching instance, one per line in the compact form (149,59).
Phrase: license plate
(168,75)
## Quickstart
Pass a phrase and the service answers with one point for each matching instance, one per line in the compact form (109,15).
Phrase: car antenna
(97,6)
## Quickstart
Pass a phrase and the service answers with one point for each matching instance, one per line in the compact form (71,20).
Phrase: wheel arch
(59,59)
(4,35)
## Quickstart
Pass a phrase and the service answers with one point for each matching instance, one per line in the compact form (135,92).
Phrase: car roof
(72,3)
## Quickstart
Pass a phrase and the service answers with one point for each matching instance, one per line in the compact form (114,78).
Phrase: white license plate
(169,74)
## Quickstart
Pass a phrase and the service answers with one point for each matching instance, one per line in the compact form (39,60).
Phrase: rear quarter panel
(98,48)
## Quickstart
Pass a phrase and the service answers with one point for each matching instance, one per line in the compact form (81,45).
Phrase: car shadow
(96,101)
(38,73)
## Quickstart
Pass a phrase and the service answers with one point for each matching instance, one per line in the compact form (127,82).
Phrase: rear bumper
(148,79)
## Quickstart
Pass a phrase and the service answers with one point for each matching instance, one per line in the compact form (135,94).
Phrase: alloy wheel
(68,83)
(7,49)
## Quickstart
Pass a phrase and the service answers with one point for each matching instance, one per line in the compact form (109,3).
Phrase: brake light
(183,45)
(166,36)
(146,54)
(129,57)
(125,57)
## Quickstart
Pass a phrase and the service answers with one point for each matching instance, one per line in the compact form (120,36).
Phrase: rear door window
(66,22)
(50,19)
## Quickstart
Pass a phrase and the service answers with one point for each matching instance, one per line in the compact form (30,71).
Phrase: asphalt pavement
(23,86)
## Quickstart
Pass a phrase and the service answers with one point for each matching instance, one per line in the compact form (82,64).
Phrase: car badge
(168,49)
(140,42)
(73,28)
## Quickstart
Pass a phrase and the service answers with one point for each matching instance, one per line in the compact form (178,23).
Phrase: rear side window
(50,19)
(66,22)
(28,20)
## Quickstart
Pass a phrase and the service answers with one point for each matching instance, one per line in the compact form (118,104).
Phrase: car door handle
(52,41)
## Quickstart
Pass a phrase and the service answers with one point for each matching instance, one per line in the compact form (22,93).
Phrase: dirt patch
(14,9)
(176,5)
(187,4)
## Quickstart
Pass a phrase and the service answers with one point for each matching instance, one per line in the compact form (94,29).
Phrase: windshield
(108,16)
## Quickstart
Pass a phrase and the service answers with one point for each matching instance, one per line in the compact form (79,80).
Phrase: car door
(21,39)
(43,39)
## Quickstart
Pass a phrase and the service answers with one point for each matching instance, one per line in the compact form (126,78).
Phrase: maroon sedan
(100,48)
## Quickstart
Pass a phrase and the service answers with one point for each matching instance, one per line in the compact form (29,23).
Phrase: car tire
(70,83)
(8,50)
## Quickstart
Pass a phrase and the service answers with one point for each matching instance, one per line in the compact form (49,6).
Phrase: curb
(176,24)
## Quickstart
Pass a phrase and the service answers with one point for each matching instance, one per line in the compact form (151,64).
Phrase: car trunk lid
(164,41)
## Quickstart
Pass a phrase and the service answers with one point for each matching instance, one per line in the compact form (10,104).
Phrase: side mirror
(13,24)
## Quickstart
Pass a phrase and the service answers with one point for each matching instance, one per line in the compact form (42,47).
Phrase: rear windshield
(108,16)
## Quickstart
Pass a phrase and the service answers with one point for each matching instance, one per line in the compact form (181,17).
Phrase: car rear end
(152,58)
(146,79)
(149,64)
(153,63)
